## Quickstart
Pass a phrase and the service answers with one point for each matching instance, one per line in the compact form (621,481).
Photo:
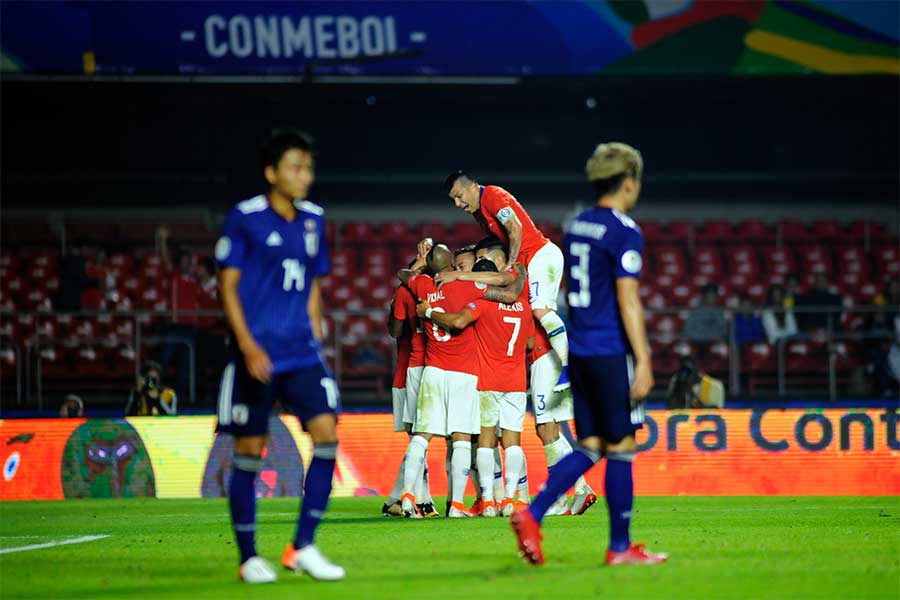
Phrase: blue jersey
(278,261)
(601,245)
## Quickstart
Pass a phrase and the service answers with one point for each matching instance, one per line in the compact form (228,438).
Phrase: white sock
(398,484)
(498,475)
(556,333)
(558,450)
(419,489)
(426,487)
(414,463)
(485,463)
(515,466)
(522,488)
(460,463)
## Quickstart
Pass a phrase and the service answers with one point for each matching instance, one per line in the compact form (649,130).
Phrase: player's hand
(446,277)
(422,307)
(423,247)
(643,380)
(258,364)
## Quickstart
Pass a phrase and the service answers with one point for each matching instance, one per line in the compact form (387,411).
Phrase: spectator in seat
(73,278)
(791,290)
(748,326)
(72,407)
(150,397)
(706,323)
(819,297)
(186,296)
(888,303)
(778,319)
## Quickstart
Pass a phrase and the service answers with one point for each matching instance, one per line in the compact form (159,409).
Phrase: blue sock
(242,501)
(619,498)
(315,493)
(563,476)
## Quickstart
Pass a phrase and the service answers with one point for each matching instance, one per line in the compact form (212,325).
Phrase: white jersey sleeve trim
(255,204)
(308,206)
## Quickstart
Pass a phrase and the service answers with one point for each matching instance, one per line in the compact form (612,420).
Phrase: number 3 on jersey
(581,273)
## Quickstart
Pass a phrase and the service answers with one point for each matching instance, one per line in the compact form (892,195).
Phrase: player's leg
(423,492)
(431,419)
(618,423)
(544,276)
(243,411)
(392,502)
(463,421)
(484,462)
(512,420)
(312,395)
(499,489)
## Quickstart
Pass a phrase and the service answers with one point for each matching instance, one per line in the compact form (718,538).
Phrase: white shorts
(506,409)
(398,401)
(448,403)
(413,379)
(544,276)
(549,407)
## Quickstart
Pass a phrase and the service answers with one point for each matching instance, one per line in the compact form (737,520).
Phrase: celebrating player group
(476,329)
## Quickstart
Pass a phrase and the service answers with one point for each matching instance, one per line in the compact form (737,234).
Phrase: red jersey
(502,332)
(410,347)
(498,205)
(456,349)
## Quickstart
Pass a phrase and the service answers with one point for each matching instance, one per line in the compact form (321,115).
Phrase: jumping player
(500,214)
(271,255)
(611,371)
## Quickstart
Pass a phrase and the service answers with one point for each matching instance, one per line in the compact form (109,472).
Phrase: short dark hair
(282,140)
(464,250)
(453,177)
(150,365)
(492,242)
(609,185)
(484,265)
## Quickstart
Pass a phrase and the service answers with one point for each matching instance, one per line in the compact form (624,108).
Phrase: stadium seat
(828,231)
(805,357)
(357,233)
(754,230)
(715,231)
(793,231)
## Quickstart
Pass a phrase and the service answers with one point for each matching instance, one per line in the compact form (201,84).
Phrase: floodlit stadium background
(768,130)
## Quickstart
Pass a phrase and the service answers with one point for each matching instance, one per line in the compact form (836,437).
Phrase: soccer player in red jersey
(500,214)
(448,397)
(405,327)
(502,331)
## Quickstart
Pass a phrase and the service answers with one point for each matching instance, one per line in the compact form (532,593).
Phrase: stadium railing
(38,355)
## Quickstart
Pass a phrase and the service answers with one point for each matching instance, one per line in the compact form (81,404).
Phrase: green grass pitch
(810,547)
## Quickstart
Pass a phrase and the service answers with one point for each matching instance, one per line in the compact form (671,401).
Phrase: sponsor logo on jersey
(274,239)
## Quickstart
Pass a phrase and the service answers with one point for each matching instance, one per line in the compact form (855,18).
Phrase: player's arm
(514,229)
(498,279)
(314,309)
(510,293)
(633,319)
(258,364)
(456,320)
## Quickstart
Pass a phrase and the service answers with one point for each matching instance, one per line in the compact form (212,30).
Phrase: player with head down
(500,214)
(611,371)
(271,255)
(448,404)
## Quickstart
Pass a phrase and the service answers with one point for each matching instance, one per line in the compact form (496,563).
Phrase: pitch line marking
(77,540)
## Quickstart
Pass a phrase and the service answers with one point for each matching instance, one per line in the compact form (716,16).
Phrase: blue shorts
(601,386)
(245,403)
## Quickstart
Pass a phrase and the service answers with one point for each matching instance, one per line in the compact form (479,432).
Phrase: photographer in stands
(150,397)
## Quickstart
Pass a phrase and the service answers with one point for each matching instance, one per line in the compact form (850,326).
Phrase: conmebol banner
(487,38)
(698,453)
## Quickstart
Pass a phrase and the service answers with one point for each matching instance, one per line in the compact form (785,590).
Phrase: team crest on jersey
(223,248)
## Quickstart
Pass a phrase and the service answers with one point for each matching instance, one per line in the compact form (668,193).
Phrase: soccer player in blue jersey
(271,255)
(609,358)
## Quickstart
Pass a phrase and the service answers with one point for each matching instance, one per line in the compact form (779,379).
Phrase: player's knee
(625,444)
(547,432)
(250,445)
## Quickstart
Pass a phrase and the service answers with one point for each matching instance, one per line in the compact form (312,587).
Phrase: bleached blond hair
(612,159)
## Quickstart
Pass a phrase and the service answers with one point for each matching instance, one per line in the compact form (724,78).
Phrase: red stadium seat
(805,357)
(753,230)
(828,231)
(357,233)
(652,231)
(715,231)
(679,231)
(793,231)
(715,359)
(436,231)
